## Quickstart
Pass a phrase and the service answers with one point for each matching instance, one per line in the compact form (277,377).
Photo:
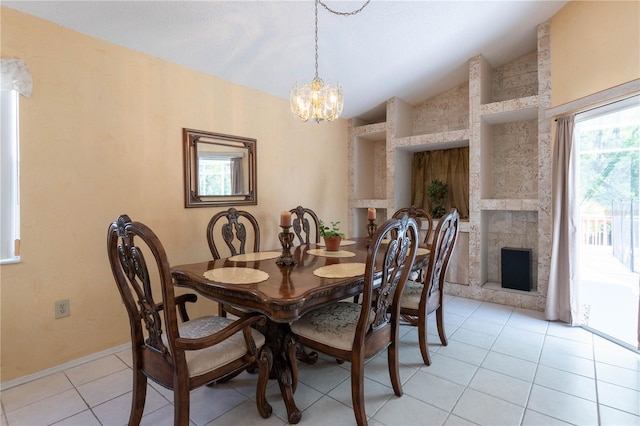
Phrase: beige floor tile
(116,411)
(106,388)
(421,386)
(487,410)
(533,418)
(501,386)
(85,418)
(573,384)
(28,393)
(619,397)
(612,417)
(563,406)
(49,410)
(93,370)
(408,411)
(451,369)
(509,365)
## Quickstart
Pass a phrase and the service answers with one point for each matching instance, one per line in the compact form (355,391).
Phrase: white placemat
(340,270)
(236,275)
(325,253)
(261,255)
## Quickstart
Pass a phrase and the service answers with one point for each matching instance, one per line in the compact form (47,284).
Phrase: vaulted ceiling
(409,49)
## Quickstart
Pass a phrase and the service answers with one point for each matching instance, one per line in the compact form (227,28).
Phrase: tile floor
(503,366)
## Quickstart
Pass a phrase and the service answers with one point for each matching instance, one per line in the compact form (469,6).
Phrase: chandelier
(317,100)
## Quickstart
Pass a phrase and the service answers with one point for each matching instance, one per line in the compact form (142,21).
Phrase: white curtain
(15,76)
(563,301)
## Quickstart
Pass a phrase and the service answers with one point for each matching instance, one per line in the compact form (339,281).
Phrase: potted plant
(437,191)
(332,235)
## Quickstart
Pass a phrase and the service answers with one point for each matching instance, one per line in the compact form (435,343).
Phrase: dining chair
(354,332)
(234,234)
(306,225)
(422,217)
(179,356)
(420,299)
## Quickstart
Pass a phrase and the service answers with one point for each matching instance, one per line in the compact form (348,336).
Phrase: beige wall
(595,45)
(100,136)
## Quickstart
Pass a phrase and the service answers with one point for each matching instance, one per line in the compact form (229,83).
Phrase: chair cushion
(204,360)
(332,325)
(411,297)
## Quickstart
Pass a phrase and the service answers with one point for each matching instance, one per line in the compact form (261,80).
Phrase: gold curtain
(451,166)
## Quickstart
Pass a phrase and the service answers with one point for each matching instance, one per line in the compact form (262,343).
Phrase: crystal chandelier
(318,101)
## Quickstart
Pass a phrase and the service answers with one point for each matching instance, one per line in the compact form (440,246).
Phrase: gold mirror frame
(240,188)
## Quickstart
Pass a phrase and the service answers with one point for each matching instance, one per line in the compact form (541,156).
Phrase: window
(9,173)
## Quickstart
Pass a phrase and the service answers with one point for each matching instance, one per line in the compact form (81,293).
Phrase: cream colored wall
(100,136)
(595,45)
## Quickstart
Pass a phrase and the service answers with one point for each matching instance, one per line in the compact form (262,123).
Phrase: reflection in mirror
(219,169)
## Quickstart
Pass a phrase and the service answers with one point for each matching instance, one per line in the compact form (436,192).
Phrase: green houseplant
(437,191)
(332,235)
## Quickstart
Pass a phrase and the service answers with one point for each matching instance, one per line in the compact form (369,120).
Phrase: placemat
(340,270)
(342,243)
(325,253)
(236,275)
(261,255)
(422,251)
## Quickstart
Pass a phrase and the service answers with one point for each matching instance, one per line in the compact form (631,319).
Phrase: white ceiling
(409,49)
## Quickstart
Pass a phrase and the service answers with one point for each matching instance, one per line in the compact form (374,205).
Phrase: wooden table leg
(282,369)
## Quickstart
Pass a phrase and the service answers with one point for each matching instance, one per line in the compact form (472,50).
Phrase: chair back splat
(234,231)
(306,225)
(422,217)
(177,356)
(354,332)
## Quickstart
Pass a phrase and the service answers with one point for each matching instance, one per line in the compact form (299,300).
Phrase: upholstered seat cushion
(204,360)
(411,297)
(332,325)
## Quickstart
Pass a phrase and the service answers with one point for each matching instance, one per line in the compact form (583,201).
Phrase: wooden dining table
(283,293)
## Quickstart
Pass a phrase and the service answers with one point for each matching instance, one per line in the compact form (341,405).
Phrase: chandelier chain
(317,39)
(353,12)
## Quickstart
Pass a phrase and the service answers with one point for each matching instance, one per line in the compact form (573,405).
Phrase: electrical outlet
(61,309)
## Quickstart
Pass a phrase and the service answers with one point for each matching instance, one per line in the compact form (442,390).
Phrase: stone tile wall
(444,112)
(515,160)
(516,79)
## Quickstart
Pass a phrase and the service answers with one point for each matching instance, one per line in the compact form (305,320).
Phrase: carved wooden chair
(181,356)
(421,299)
(421,216)
(305,225)
(354,332)
(234,234)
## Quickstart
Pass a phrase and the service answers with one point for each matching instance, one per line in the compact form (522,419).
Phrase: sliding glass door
(608,143)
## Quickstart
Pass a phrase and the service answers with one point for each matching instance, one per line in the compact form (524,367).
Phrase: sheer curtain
(563,298)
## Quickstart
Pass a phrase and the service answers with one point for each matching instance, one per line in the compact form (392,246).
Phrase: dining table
(258,282)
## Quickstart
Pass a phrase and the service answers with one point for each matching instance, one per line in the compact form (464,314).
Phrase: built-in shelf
(441,140)
(370,202)
(509,204)
(376,131)
(521,109)
(498,287)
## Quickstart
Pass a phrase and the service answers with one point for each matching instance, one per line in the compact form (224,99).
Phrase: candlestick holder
(286,239)
(371,229)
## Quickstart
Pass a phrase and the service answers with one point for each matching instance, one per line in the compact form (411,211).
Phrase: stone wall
(516,79)
(444,112)
(515,160)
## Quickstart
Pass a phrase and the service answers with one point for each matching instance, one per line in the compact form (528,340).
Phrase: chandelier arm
(335,12)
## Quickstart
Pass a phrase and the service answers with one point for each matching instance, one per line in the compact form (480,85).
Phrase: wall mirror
(219,170)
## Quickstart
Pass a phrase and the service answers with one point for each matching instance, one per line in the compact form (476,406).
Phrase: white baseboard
(62,367)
